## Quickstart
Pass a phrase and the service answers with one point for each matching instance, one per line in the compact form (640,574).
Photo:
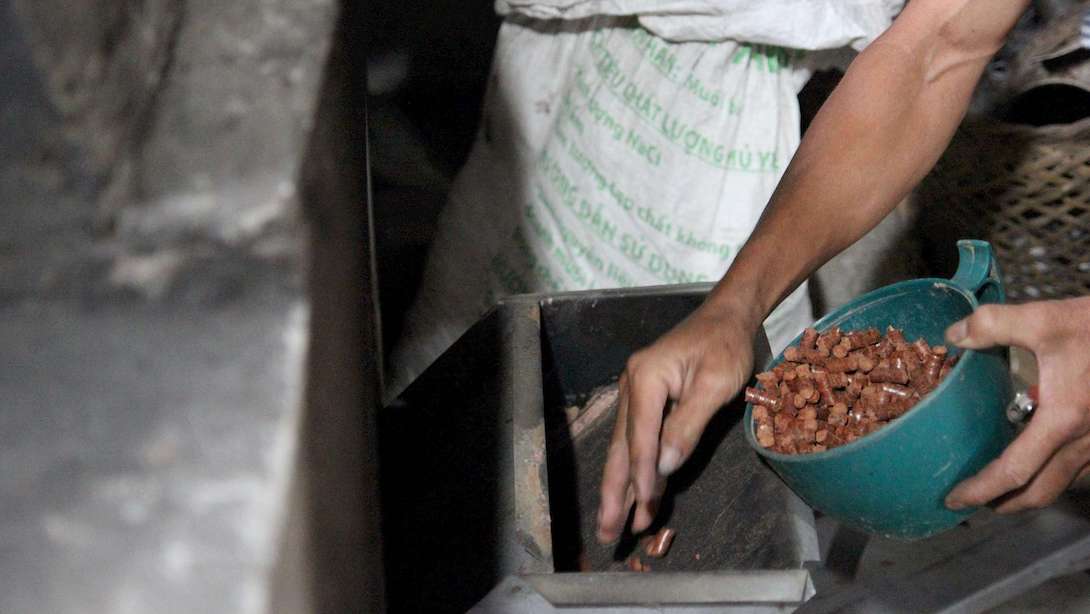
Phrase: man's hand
(697,367)
(1054,449)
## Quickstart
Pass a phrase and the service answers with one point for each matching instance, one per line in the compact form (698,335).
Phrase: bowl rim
(823,324)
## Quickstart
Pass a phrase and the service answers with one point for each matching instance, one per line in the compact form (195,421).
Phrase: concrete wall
(188,323)
(103,65)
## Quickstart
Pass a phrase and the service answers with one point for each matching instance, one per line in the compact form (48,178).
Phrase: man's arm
(879,133)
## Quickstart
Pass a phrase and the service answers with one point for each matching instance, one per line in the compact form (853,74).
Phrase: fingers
(652,377)
(992,325)
(647,395)
(616,494)
(630,473)
(1059,473)
(684,426)
(1018,464)
(646,510)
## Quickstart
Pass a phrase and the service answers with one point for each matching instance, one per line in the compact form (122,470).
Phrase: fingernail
(669,459)
(957,331)
(953,504)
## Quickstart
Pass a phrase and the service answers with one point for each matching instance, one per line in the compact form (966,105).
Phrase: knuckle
(986,318)
(638,458)
(688,434)
(1067,424)
(678,434)
(708,382)
(618,448)
(1038,499)
(1040,319)
(634,363)
(1014,476)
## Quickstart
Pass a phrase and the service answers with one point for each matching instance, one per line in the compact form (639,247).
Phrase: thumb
(992,325)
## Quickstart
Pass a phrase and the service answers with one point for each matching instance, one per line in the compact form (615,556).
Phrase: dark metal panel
(588,336)
(338,537)
(453,523)
(469,490)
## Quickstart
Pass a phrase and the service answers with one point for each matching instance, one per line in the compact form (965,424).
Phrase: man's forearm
(881,130)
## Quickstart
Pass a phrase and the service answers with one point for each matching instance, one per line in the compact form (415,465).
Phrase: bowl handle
(978,272)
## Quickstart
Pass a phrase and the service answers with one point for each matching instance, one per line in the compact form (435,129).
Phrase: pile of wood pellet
(835,387)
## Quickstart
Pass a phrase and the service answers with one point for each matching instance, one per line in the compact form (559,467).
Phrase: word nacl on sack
(644,149)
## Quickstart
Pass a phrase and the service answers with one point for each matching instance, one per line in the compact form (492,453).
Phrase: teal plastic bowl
(893,481)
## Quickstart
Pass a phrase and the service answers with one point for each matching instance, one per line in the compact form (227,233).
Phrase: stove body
(482,478)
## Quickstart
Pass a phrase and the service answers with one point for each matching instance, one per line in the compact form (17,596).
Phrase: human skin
(883,127)
(1054,449)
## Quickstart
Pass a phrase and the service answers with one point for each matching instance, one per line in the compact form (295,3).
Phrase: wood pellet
(835,387)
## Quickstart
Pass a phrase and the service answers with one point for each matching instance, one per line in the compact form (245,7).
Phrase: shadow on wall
(444,548)
(104,64)
(428,63)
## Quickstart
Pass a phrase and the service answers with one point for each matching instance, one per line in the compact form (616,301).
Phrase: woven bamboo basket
(1025,187)
(1027,191)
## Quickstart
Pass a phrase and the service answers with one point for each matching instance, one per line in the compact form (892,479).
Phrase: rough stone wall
(103,64)
(155,316)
